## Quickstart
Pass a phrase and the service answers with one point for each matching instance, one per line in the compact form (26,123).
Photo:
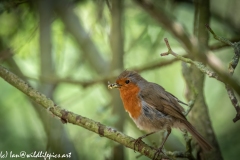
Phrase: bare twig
(192,101)
(177,30)
(232,65)
(199,65)
(191,92)
(109,5)
(87,83)
(9,5)
(74,26)
(221,39)
(155,65)
(234,101)
(208,72)
(168,23)
(236,47)
(188,141)
(221,45)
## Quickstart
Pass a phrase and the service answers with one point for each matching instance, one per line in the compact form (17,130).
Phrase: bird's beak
(113,85)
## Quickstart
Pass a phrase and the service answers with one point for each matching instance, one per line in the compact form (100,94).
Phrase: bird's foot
(139,140)
(159,151)
(136,142)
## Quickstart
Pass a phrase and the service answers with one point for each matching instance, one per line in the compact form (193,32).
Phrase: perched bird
(152,108)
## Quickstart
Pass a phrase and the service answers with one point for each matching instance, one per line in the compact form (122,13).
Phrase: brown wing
(156,96)
(178,99)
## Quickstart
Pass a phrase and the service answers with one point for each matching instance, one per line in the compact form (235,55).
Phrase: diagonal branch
(236,46)
(160,15)
(221,45)
(74,26)
(232,65)
(73,118)
(87,83)
(222,78)
(199,65)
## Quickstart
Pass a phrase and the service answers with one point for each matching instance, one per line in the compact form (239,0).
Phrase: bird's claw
(159,151)
(136,142)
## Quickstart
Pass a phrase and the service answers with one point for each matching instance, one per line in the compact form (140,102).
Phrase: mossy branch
(231,67)
(89,124)
(208,72)
(199,65)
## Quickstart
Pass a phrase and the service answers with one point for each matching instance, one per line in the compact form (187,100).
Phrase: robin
(152,108)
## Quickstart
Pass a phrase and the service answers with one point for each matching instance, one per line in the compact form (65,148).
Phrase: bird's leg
(137,141)
(159,150)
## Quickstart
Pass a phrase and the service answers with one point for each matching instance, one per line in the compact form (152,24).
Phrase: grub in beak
(113,85)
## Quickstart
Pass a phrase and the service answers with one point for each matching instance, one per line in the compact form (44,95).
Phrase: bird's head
(126,80)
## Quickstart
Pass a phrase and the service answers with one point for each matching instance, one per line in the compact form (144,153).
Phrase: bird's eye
(127,81)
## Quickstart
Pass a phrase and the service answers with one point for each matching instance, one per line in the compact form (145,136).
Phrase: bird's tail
(201,141)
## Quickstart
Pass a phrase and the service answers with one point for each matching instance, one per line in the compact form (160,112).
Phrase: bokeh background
(68,50)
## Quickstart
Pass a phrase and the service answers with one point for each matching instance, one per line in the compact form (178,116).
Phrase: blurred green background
(47,43)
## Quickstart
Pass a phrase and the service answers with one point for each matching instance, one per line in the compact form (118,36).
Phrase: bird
(153,109)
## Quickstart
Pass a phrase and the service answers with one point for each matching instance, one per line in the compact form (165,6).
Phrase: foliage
(21,124)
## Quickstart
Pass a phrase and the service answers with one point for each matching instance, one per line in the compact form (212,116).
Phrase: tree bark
(117,47)
(199,115)
(58,140)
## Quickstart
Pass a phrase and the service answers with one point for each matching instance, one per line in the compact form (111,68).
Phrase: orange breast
(130,100)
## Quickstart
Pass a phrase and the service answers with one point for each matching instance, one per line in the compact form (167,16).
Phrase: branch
(163,18)
(116,40)
(222,78)
(234,101)
(74,26)
(236,46)
(87,83)
(177,30)
(9,5)
(73,118)
(188,145)
(232,65)
(199,65)
(221,45)
(155,65)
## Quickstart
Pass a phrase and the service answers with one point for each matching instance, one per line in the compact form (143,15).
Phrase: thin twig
(186,71)
(167,21)
(199,65)
(236,47)
(188,141)
(109,5)
(177,30)
(234,101)
(192,101)
(208,72)
(221,45)
(87,83)
(232,65)
(221,39)
(155,65)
